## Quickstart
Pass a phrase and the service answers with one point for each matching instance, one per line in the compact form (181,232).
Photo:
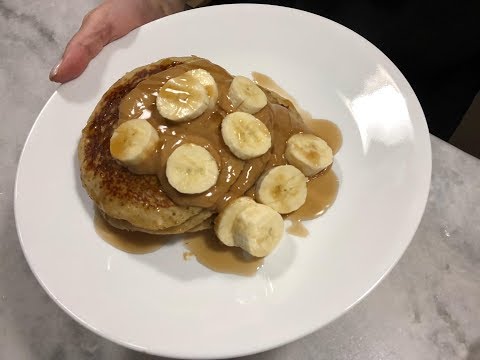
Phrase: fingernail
(54,70)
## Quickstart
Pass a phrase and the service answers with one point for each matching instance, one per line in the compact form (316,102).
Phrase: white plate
(160,304)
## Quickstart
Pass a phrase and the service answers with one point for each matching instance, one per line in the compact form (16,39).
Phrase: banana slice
(224,221)
(191,169)
(246,96)
(182,98)
(283,188)
(245,135)
(208,82)
(134,142)
(308,153)
(258,229)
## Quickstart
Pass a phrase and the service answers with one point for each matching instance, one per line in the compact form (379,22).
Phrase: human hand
(111,20)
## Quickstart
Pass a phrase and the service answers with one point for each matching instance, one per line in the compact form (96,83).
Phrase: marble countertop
(427,308)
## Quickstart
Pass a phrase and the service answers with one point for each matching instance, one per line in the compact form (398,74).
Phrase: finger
(93,35)
(110,21)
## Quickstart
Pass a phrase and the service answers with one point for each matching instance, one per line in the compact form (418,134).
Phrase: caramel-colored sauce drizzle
(133,242)
(208,250)
(323,188)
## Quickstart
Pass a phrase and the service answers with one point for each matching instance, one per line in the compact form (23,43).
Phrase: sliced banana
(191,169)
(182,98)
(208,82)
(309,153)
(246,96)
(258,229)
(134,142)
(224,221)
(245,135)
(283,188)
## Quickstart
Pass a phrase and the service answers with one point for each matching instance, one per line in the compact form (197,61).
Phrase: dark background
(436,45)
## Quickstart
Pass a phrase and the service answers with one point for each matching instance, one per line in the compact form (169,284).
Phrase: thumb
(92,36)
(109,21)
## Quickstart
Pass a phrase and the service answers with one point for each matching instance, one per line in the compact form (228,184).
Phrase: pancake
(198,222)
(141,202)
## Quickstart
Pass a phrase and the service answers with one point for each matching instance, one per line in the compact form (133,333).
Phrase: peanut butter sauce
(270,84)
(323,188)
(210,252)
(321,193)
(132,242)
(328,131)
(204,245)
(237,177)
